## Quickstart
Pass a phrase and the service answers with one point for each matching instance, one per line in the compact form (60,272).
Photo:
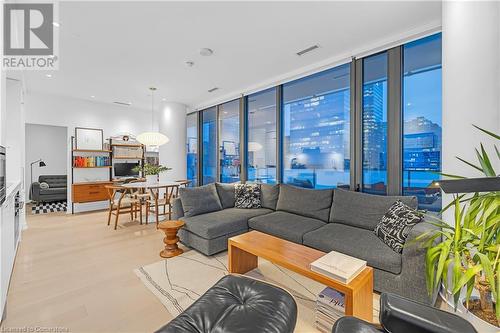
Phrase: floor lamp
(40,164)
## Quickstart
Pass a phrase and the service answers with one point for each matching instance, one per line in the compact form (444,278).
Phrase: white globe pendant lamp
(152,138)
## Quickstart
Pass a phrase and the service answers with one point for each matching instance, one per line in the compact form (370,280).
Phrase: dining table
(154,190)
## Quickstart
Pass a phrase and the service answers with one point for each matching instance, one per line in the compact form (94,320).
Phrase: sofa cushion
(269,195)
(52,191)
(285,225)
(226,194)
(356,242)
(57,181)
(199,200)
(363,210)
(220,223)
(305,202)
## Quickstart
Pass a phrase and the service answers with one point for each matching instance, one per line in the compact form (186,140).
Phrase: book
(330,306)
(338,266)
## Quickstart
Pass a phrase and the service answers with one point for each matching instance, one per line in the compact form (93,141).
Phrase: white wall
(49,143)
(172,123)
(471,82)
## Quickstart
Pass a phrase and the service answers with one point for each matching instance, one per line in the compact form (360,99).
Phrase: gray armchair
(57,191)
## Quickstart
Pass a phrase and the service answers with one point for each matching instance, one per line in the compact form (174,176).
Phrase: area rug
(49,207)
(181,280)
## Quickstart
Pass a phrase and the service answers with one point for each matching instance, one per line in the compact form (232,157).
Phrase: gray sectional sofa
(327,220)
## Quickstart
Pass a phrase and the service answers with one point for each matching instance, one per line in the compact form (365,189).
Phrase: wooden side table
(170,229)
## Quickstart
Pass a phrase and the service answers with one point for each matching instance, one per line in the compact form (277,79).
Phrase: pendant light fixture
(152,138)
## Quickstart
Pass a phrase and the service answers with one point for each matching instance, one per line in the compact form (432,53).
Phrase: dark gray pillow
(247,196)
(305,202)
(226,194)
(199,200)
(269,195)
(363,210)
(395,225)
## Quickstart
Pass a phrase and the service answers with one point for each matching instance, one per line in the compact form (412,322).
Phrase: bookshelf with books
(91,171)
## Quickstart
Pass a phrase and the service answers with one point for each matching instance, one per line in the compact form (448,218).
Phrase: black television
(125,169)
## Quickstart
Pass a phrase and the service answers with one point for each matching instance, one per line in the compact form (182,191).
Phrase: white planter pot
(480,325)
(152,179)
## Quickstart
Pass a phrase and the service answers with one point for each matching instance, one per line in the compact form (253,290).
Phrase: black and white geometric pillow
(247,196)
(395,225)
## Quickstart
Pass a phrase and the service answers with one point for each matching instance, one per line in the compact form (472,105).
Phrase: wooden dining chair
(164,202)
(142,195)
(121,202)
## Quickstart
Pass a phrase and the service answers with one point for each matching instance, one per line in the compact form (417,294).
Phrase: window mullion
(394,122)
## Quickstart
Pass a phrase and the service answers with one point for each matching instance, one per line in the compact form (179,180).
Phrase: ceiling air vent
(213,89)
(123,103)
(309,49)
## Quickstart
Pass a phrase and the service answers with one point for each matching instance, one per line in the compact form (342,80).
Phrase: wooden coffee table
(170,229)
(245,249)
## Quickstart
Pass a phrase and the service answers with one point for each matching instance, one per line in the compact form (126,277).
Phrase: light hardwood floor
(74,271)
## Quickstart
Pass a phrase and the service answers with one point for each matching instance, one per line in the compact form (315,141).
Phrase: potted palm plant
(151,171)
(464,256)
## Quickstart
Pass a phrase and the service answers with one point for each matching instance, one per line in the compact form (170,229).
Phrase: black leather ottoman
(238,304)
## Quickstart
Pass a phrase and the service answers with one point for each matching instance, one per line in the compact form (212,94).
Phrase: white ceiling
(116,50)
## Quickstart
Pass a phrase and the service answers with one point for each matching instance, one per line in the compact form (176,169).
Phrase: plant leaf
(486,163)
(470,273)
(469,163)
(487,132)
(488,271)
(450,175)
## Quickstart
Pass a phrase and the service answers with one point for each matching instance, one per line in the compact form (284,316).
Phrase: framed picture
(89,138)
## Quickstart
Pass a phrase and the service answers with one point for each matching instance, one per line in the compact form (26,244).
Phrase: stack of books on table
(329,307)
(338,266)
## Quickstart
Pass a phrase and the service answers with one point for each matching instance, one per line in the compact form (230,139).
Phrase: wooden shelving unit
(90,151)
(90,191)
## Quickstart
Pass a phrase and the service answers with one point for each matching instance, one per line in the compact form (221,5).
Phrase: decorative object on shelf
(151,172)
(469,250)
(89,138)
(41,164)
(152,138)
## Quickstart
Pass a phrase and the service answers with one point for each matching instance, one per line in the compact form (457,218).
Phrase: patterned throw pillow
(395,225)
(44,185)
(247,196)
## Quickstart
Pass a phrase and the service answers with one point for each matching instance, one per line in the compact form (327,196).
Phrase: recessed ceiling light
(92,96)
(206,52)
(56,24)
(307,50)
(123,103)
(48,75)
(163,99)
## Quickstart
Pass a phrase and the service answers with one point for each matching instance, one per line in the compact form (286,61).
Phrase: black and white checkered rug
(49,207)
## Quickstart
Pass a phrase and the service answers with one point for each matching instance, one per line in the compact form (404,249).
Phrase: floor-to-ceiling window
(422,120)
(209,159)
(316,127)
(374,124)
(229,141)
(261,155)
(192,148)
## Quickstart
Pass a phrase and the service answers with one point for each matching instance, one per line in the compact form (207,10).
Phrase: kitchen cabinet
(9,239)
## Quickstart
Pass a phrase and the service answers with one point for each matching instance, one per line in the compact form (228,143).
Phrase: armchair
(399,314)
